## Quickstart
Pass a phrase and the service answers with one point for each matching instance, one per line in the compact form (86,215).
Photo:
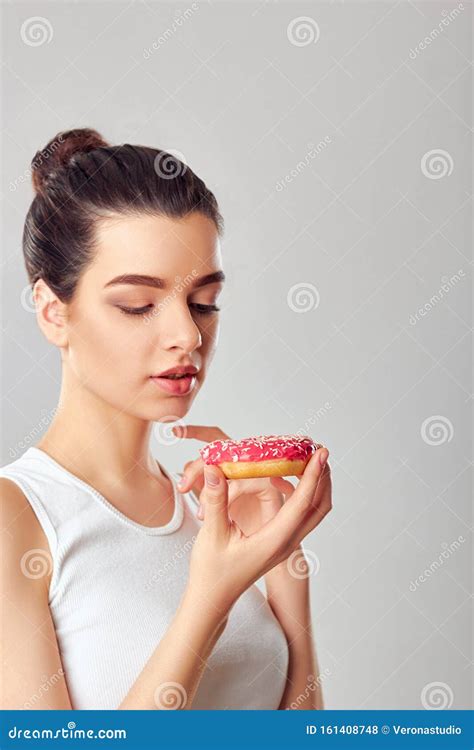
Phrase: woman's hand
(252,502)
(225,561)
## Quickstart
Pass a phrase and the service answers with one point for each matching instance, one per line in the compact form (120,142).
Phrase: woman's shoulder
(25,545)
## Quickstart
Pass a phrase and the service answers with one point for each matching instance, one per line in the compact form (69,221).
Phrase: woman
(120,594)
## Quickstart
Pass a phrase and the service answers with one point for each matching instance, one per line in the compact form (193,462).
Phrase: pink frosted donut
(260,456)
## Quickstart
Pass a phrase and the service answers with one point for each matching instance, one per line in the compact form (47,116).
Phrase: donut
(260,456)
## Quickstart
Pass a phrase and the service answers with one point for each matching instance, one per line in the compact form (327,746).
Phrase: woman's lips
(178,387)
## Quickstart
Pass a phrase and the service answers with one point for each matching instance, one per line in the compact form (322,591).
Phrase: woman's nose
(179,329)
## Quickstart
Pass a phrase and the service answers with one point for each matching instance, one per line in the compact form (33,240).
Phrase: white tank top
(116,585)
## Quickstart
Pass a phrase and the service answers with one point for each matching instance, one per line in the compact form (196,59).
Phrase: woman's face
(121,334)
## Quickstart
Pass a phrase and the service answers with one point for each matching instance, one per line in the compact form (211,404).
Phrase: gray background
(371,227)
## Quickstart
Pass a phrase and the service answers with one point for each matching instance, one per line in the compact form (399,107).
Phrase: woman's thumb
(215,492)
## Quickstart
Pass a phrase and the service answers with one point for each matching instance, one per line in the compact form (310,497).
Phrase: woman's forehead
(158,245)
(166,250)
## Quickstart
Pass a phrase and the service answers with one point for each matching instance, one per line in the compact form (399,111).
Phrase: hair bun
(59,152)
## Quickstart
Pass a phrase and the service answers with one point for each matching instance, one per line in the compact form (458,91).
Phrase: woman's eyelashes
(134,310)
(204,309)
(200,309)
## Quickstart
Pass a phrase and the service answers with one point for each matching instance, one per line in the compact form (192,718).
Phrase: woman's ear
(50,313)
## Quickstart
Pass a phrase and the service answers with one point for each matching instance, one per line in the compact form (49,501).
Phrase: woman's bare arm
(289,598)
(32,674)
(171,676)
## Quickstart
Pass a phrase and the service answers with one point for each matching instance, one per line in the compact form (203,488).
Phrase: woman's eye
(204,309)
(134,310)
(201,309)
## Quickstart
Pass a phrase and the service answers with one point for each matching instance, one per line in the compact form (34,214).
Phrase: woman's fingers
(293,516)
(237,488)
(199,432)
(321,506)
(193,476)
(316,515)
(215,494)
(193,470)
(283,485)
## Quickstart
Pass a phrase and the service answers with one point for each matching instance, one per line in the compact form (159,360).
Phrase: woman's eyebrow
(155,281)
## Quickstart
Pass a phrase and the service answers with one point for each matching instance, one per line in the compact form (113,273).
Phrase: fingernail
(212,480)
(323,456)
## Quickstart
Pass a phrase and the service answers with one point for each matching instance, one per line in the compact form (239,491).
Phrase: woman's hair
(80,179)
